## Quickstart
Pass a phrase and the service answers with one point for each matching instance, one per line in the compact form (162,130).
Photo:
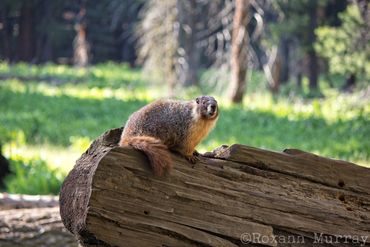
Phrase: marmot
(173,125)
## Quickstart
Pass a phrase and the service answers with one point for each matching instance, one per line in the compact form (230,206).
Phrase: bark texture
(239,51)
(36,227)
(4,169)
(313,68)
(236,196)
(25,48)
(80,43)
(189,53)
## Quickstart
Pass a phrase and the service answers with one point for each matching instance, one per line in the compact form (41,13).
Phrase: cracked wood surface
(34,227)
(111,198)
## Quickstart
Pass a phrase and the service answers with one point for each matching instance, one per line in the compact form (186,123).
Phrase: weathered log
(37,227)
(17,201)
(241,195)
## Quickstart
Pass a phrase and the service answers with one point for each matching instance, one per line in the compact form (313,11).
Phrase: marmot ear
(197,100)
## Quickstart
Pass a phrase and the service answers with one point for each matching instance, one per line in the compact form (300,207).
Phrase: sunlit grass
(60,158)
(81,91)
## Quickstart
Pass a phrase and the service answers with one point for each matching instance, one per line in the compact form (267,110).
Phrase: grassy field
(53,112)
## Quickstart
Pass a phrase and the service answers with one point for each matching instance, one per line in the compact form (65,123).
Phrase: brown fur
(169,125)
(197,132)
(157,153)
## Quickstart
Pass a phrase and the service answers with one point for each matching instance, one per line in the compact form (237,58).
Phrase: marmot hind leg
(192,158)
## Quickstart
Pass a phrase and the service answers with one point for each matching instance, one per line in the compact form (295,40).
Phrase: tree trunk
(284,46)
(242,195)
(365,13)
(276,73)
(272,69)
(25,46)
(189,54)
(313,69)
(4,169)
(44,48)
(350,83)
(36,227)
(80,44)
(239,51)
(6,34)
(299,82)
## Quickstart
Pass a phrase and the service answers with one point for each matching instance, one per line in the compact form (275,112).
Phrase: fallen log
(235,196)
(17,201)
(36,227)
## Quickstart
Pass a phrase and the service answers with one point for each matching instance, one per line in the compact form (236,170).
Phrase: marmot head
(207,107)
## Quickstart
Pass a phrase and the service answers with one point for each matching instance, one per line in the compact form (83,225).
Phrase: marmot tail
(158,154)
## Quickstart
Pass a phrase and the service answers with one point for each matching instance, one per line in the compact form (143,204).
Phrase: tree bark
(313,69)
(44,47)
(284,47)
(37,227)
(239,51)
(26,42)
(276,74)
(350,83)
(272,69)
(365,13)
(4,169)
(80,44)
(6,33)
(241,195)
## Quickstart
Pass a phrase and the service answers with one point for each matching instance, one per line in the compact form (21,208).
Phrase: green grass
(33,176)
(60,110)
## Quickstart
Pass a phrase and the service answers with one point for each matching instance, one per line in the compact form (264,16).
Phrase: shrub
(33,176)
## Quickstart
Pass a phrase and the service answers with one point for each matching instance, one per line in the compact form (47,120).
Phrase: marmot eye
(197,100)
